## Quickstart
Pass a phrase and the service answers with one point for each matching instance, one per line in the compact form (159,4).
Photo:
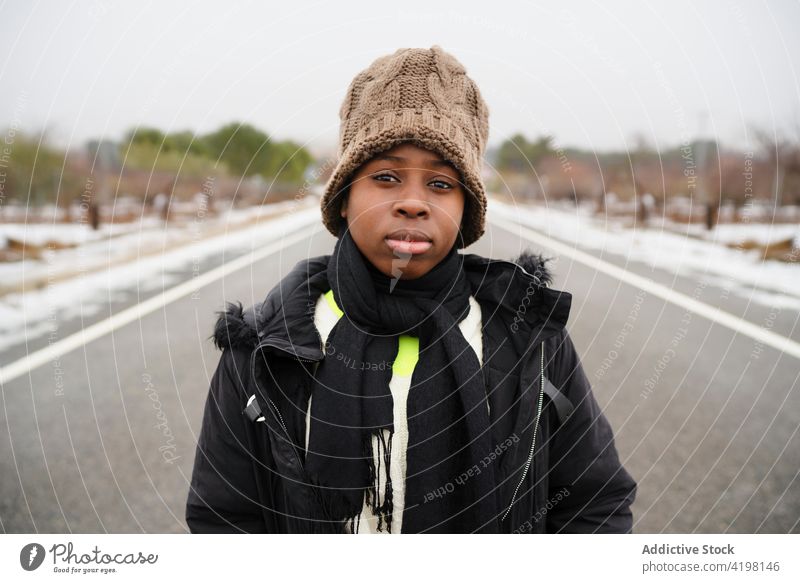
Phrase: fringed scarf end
(381,506)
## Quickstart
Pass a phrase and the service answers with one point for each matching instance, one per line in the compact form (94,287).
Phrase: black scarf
(448,424)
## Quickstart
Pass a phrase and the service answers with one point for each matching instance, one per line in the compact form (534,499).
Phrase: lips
(409,241)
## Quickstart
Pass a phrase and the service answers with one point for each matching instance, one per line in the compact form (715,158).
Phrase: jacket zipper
(280,418)
(295,356)
(533,440)
(274,407)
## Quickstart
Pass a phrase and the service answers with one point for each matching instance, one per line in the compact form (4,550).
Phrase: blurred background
(145,146)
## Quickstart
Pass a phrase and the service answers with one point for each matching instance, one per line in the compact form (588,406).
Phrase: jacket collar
(515,291)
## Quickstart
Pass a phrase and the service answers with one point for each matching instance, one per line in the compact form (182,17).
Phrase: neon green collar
(407,346)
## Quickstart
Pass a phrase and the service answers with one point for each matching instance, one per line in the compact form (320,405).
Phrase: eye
(439,183)
(383,177)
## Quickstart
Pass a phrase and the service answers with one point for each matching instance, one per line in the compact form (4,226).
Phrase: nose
(411,207)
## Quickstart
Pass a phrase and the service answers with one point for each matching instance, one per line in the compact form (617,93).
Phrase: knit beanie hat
(421,96)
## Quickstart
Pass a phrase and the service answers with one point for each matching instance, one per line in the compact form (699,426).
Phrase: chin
(417,271)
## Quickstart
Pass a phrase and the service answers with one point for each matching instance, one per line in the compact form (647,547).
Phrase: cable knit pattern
(423,96)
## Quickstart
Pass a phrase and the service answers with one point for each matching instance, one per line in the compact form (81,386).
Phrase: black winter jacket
(248,473)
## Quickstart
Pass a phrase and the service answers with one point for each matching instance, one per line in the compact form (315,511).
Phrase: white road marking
(99,329)
(128,315)
(735,323)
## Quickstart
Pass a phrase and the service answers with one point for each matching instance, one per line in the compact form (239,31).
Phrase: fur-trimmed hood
(247,328)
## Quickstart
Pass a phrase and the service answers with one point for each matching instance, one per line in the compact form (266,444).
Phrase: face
(404,210)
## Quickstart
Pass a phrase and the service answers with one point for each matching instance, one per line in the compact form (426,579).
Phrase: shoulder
(238,327)
(564,366)
(235,327)
(515,296)
(536,265)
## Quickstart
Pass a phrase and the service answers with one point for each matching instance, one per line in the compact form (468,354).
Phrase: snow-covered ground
(770,283)
(732,234)
(87,250)
(67,234)
(101,270)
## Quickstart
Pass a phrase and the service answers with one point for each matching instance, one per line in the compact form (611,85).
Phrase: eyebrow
(431,162)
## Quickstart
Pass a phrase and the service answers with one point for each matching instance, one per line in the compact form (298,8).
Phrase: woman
(397,385)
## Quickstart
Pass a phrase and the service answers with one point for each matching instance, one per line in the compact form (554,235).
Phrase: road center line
(128,315)
(735,323)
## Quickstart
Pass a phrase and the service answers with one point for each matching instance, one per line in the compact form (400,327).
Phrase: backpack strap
(564,407)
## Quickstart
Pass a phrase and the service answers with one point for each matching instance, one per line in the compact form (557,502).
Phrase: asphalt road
(706,419)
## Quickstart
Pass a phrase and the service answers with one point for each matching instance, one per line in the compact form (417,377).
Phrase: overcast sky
(592,74)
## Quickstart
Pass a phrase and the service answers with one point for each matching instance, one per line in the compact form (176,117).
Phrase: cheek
(455,210)
(362,213)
